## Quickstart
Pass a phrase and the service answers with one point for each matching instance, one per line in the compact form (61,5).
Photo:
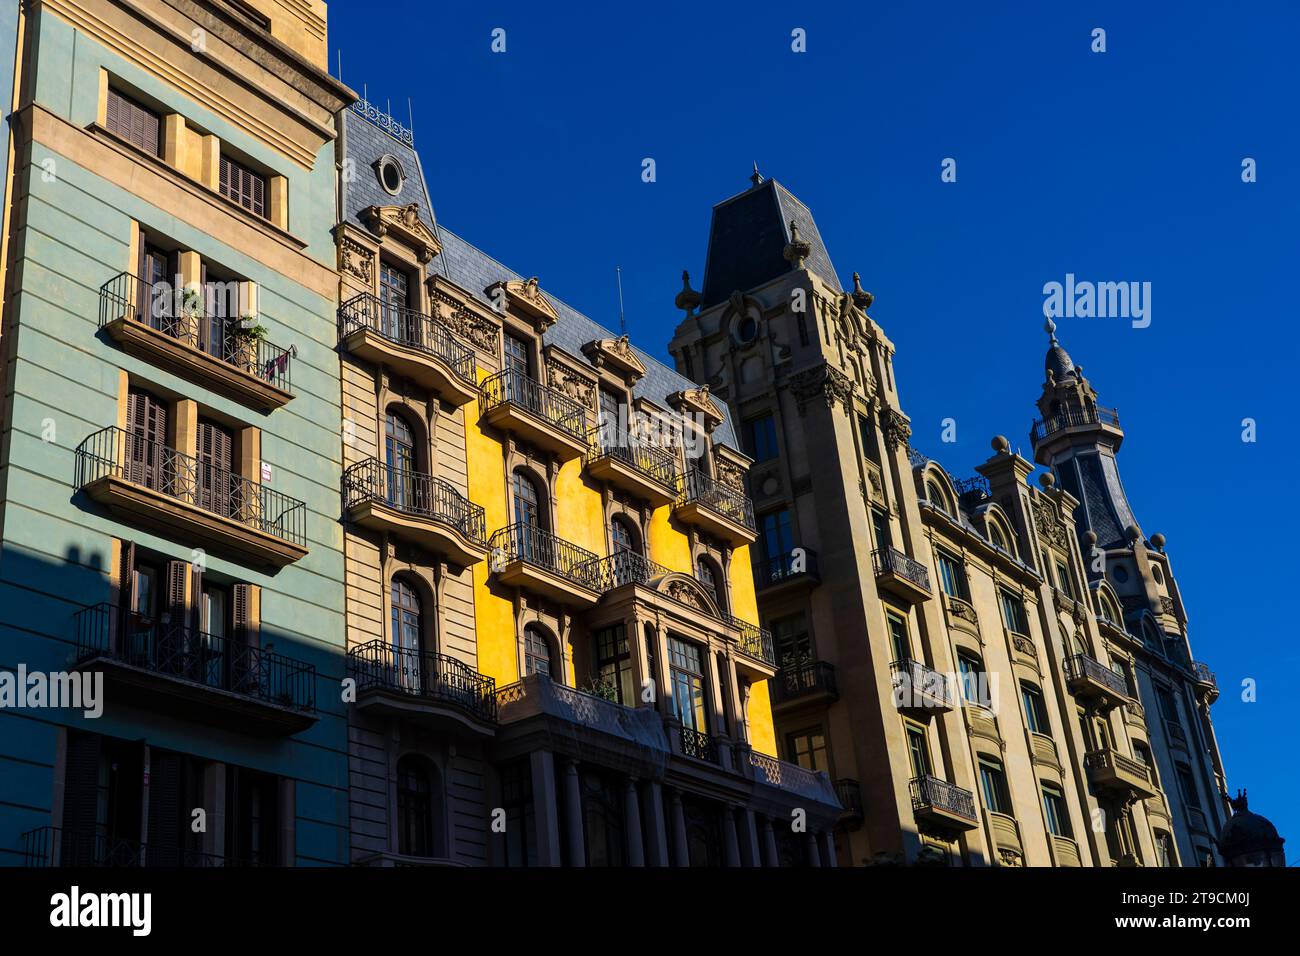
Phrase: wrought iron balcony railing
(408,328)
(849,793)
(60,846)
(699,745)
(194,656)
(801,562)
(650,460)
(1069,418)
(933,792)
(541,549)
(424,675)
(413,493)
(1083,667)
(1203,674)
(628,567)
(550,405)
(186,317)
(795,680)
(891,560)
(755,641)
(717,497)
(913,679)
(117,453)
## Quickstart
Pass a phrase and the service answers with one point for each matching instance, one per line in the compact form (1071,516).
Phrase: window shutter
(196,589)
(124,597)
(80,799)
(177,573)
(134,123)
(165,813)
(242,599)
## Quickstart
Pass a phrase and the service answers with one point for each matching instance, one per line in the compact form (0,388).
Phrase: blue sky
(1119,166)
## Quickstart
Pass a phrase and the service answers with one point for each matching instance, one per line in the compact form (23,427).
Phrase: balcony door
(519,370)
(144,611)
(399,455)
(394,304)
(146,453)
(217,487)
(778,541)
(216,620)
(155,307)
(407,624)
(102,801)
(687,673)
(530,536)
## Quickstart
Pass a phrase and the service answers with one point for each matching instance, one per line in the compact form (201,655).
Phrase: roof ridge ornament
(756,177)
(688,299)
(797,249)
(861,297)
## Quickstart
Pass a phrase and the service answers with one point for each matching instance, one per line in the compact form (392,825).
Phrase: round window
(1119,573)
(391,175)
(747,329)
(1155,573)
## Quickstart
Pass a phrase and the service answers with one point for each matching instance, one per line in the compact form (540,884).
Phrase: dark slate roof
(474,270)
(365,143)
(747,240)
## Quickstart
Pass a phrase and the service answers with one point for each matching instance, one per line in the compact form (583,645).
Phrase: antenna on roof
(410,117)
(622,323)
(340,53)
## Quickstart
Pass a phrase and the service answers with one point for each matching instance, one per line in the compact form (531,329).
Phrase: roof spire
(756,177)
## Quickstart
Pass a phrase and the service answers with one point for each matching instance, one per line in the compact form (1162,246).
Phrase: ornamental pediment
(697,401)
(405,224)
(525,297)
(617,354)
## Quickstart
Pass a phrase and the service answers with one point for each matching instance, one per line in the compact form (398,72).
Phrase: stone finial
(797,249)
(1090,539)
(1047,479)
(1158,541)
(861,297)
(1133,534)
(688,298)
(1050,328)
(756,177)
(1001,445)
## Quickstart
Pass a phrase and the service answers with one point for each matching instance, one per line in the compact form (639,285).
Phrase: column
(814,855)
(573,815)
(635,846)
(544,810)
(749,840)
(656,824)
(681,856)
(771,857)
(731,843)
(828,849)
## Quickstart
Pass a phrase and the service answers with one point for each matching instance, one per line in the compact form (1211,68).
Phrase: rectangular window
(1164,849)
(614,664)
(1064,581)
(918,751)
(778,539)
(880,525)
(517,801)
(243,186)
(793,643)
(252,817)
(898,637)
(972,678)
(807,748)
(1187,786)
(518,355)
(952,575)
(993,784)
(1035,714)
(138,125)
(1058,821)
(760,437)
(687,673)
(1013,613)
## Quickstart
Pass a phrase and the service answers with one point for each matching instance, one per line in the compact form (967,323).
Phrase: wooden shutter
(241,599)
(80,798)
(136,124)
(166,815)
(244,186)
(124,596)
(146,425)
(216,481)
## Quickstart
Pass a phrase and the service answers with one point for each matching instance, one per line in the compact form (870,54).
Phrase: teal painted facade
(56,546)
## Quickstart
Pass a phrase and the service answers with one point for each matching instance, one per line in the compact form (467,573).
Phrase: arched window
(706,575)
(1110,610)
(538,658)
(419,807)
(996,537)
(406,633)
(399,456)
(936,495)
(528,510)
(623,537)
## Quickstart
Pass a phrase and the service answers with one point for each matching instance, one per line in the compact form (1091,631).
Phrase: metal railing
(849,793)
(1069,418)
(912,678)
(187,318)
(532,545)
(1113,761)
(628,567)
(57,846)
(892,561)
(424,674)
(1203,674)
(117,453)
(699,488)
(699,745)
(550,405)
(802,562)
(413,493)
(931,792)
(194,656)
(793,778)
(406,327)
(657,464)
(755,641)
(1083,667)
(799,680)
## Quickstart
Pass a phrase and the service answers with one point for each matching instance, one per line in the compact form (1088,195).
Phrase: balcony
(417,508)
(1073,418)
(754,643)
(1112,772)
(904,577)
(413,345)
(1092,680)
(188,673)
(191,501)
(1022,646)
(699,746)
(849,793)
(422,686)
(634,466)
(1135,713)
(961,614)
(919,688)
(942,805)
(794,780)
(1205,680)
(808,682)
(788,573)
(545,417)
(537,561)
(60,846)
(212,350)
(715,509)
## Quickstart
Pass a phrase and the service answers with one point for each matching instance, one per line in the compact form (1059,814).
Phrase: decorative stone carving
(699,402)
(683,589)
(1049,523)
(895,428)
(616,353)
(568,382)
(356,260)
(464,323)
(731,475)
(404,223)
(825,381)
(525,295)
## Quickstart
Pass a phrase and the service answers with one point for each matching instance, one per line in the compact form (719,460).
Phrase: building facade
(169,463)
(550,609)
(955,659)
